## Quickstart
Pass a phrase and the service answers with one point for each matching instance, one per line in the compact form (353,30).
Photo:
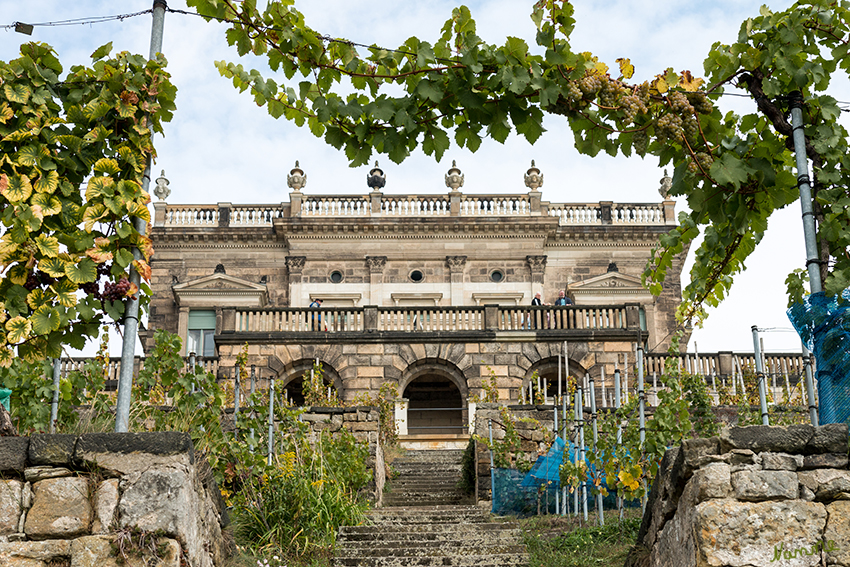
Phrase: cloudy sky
(222,147)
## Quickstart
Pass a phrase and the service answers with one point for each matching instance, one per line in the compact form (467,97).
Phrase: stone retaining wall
(531,434)
(754,496)
(71,500)
(364,423)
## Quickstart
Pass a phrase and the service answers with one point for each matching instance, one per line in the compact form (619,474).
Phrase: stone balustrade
(376,204)
(431,319)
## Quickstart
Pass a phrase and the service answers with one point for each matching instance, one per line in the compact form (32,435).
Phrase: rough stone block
(34,474)
(825,461)
(13,454)
(767,438)
(120,453)
(827,484)
(56,449)
(694,449)
(33,553)
(739,534)
(830,438)
(11,503)
(60,509)
(105,503)
(712,481)
(742,457)
(97,551)
(756,486)
(780,461)
(838,531)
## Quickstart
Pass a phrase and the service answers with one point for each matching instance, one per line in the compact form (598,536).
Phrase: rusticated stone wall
(754,496)
(67,500)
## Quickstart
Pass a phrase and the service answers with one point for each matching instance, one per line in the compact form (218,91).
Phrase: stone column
(456,267)
(183,327)
(537,265)
(376,278)
(295,265)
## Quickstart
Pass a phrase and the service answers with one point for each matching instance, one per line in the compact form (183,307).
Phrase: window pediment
(220,290)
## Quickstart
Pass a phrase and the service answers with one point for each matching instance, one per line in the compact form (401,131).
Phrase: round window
(417,276)
(497,276)
(336,276)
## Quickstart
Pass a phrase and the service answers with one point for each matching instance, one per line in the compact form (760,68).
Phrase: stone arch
(292,373)
(436,392)
(547,369)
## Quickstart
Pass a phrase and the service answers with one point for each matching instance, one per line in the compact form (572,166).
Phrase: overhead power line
(75,21)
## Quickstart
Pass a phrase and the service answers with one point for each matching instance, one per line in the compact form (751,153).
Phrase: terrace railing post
(632,315)
(491,317)
(224,214)
(228,320)
(370,318)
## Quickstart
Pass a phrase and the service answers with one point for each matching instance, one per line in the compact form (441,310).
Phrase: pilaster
(456,264)
(376,278)
(295,265)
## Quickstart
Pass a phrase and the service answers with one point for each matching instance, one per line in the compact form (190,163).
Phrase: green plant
(559,542)
(467,469)
(74,151)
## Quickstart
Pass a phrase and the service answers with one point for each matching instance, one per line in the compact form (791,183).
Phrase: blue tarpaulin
(824,326)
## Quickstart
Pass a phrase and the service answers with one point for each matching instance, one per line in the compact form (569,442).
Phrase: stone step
(485,560)
(486,540)
(426,514)
(429,549)
(435,531)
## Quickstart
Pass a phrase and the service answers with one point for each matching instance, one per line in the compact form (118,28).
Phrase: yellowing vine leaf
(18,329)
(627,70)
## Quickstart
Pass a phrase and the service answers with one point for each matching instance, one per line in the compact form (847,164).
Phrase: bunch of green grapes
(632,107)
(700,102)
(702,162)
(669,127)
(611,92)
(590,84)
(640,141)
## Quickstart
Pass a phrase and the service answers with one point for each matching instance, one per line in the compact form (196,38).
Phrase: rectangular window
(201,330)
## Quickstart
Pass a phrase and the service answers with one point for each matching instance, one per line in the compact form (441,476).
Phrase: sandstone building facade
(430,292)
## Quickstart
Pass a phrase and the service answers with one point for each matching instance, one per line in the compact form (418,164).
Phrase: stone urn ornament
(533,177)
(376,178)
(454,177)
(161,190)
(296,178)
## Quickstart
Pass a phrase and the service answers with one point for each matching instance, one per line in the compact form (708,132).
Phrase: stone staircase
(425,523)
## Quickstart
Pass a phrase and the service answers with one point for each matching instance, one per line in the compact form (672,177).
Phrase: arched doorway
(294,382)
(435,406)
(547,374)
(436,395)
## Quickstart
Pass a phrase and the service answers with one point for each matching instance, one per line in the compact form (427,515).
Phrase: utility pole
(131,314)
(795,100)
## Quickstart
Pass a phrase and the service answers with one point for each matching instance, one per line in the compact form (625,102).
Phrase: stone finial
(612,267)
(666,184)
(376,178)
(161,190)
(454,178)
(219,269)
(533,177)
(296,178)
